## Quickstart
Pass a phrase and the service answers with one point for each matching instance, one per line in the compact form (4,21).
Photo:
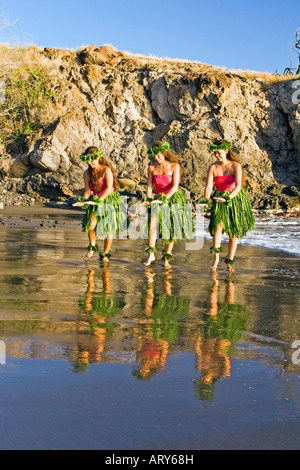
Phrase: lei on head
(156,150)
(91,158)
(224,146)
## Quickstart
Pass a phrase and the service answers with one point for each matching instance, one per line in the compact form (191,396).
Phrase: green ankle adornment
(167,256)
(103,255)
(229,261)
(93,247)
(214,250)
(150,249)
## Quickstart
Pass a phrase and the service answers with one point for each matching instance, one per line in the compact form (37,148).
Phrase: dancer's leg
(152,242)
(217,240)
(232,246)
(92,237)
(167,254)
(105,255)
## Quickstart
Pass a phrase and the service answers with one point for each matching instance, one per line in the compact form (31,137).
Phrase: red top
(163,183)
(151,348)
(225,182)
(101,183)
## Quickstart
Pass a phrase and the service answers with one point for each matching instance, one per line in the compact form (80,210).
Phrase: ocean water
(271,231)
(120,356)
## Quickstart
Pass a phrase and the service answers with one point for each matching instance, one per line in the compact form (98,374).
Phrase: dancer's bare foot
(213,266)
(91,249)
(230,269)
(166,258)
(104,257)
(215,251)
(167,264)
(150,259)
(89,254)
(230,263)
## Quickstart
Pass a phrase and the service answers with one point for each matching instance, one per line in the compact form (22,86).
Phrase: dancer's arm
(150,182)
(209,182)
(176,181)
(238,179)
(109,179)
(87,189)
(149,185)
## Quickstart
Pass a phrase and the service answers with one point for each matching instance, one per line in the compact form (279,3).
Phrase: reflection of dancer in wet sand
(171,221)
(161,327)
(152,353)
(93,324)
(231,209)
(215,341)
(101,201)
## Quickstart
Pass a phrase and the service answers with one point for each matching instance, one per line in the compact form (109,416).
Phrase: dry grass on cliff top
(11,57)
(250,74)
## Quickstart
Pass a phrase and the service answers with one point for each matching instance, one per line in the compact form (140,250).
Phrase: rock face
(121,102)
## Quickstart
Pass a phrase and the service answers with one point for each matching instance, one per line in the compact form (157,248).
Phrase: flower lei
(91,158)
(147,199)
(224,146)
(161,197)
(158,197)
(93,198)
(156,150)
(227,199)
(207,203)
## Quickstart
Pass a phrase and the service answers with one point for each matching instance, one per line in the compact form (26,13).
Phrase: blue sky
(256,35)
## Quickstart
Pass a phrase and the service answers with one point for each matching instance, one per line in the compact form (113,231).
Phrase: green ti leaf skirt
(111,215)
(236,217)
(174,219)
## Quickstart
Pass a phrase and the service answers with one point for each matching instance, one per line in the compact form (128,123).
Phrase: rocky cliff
(121,102)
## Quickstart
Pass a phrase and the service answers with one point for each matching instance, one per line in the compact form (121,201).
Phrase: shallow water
(127,357)
(271,231)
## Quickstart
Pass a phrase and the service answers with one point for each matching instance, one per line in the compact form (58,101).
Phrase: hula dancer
(169,215)
(102,202)
(231,209)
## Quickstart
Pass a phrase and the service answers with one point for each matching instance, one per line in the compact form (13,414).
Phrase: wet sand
(123,357)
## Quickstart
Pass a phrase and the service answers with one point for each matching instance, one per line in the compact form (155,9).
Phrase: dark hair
(233,158)
(169,155)
(90,150)
(94,174)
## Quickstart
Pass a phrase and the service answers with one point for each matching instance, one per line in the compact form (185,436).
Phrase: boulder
(45,159)
(121,103)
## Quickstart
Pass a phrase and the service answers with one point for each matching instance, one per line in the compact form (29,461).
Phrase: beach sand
(124,357)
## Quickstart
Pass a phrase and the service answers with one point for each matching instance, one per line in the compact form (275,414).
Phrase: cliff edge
(58,102)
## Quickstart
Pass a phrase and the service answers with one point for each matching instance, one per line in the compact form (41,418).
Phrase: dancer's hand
(83,203)
(133,216)
(203,205)
(220,199)
(78,204)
